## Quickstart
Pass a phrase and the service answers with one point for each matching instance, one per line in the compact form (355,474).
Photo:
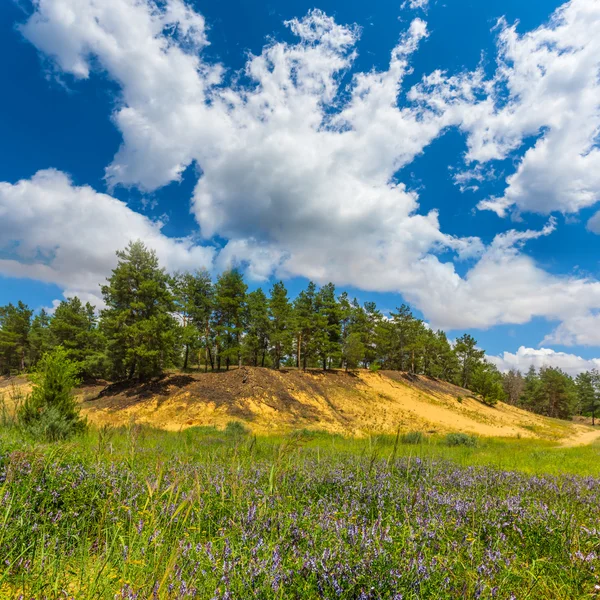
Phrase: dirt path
(582,438)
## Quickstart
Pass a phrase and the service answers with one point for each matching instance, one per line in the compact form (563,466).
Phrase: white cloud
(546,85)
(580,328)
(299,174)
(60,233)
(416,4)
(593,223)
(524,358)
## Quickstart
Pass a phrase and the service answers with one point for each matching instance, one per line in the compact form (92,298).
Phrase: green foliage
(164,514)
(588,393)
(15,324)
(73,326)
(469,358)
(50,411)
(138,322)
(228,317)
(460,439)
(154,321)
(236,429)
(281,323)
(353,350)
(551,392)
(194,303)
(258,327)
(412,437)
(487,381)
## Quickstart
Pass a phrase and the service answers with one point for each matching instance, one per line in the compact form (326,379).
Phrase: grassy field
(142,513)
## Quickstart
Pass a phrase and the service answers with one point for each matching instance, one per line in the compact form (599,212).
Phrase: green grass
(141,513)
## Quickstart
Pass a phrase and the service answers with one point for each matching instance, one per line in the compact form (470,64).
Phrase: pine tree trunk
(131,370)
(299,349)
(187,354)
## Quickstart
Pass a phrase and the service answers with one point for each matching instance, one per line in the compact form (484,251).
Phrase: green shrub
(236,429)
(374,367)
(412,437)
(459,399)
(460,439)
(50,411)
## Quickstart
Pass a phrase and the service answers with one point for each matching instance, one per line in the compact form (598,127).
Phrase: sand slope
(268,401)
(357,403)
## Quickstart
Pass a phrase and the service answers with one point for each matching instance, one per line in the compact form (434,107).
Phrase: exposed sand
(269,401)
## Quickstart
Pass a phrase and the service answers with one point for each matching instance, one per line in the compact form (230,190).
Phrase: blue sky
(275,187)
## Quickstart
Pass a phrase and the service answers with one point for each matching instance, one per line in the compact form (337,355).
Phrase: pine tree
(256,341)
(530,388)
(138,324)
(305,325)
(50,411)
(328,325)
(486,381)
(353,350)
(40,339)
(469,357)
(557,396)
(74,327)
(514,386)
(15,323)
(194,298)
(280,314)
(230,298)
(588,393)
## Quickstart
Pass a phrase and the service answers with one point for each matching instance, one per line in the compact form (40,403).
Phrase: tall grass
(136,513)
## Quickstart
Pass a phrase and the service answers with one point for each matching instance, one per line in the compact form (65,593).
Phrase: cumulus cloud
(579,328)
(54,231)
(546,86)
(416,4)
(524,358)
(299,173)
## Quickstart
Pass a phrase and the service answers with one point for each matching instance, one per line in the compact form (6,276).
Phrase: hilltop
(355,403)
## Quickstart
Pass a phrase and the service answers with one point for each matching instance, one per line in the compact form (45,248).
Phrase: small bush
(460,439)
(459,399)
(50,412)
(412,437)
(236,429)
(374,367)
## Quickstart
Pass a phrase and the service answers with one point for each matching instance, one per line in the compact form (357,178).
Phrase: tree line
(552,392)
(153,321)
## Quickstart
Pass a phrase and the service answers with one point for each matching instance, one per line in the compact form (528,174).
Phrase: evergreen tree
(556,395)
(305,325)
(353,350)
(328,325)
(256,341)
(486,381)
(138,321)
(15,323)
(588,393)
(40,339)
(551,392)
(74,327)
(281,328)
(531,387)
(50,411)
(469,357)
(514,386)
(402,337)
(230,298)
(194,297)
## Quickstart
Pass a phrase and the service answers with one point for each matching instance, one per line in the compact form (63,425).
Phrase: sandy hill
(357,403)
(269,401)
